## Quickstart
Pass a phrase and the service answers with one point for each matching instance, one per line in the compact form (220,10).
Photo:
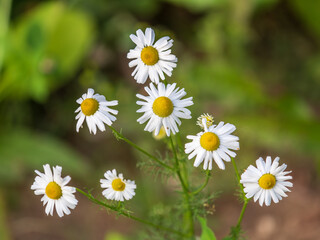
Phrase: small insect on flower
(213,144)
(151,59)
(266,181)
(54,190)
(95,109)
(117,188)
(164,107)
(209,121)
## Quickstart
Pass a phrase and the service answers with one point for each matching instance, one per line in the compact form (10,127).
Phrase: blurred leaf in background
(23,151)
(206,233)
(45,47)
(308,11)
(198,5)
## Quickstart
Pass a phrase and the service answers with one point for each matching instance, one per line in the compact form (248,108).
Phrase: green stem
(184,170)
(5,8)
(121,137)
(96,201)
(242,212)
(246,200)
(178,138)
(188,216)
(203,185)
(238,176)
(184,187)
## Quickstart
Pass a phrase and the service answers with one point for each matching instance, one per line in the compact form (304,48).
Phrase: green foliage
(5,6)
(203,204)
(263,4)
(118,135)
(206,232)
(167,216)
(23,151)
(153,168)
(198,5)
(45,48)
(308,11)
(232,87)
(235,234)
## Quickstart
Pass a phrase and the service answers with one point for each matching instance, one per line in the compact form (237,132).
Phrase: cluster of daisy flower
(162,108)
(56,193)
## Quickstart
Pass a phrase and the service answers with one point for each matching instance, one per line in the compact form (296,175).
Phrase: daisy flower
(164,107)
(206,116)
(54,190)
(151,59)
(117,188)
(267,181)
(213,144)
(95,109)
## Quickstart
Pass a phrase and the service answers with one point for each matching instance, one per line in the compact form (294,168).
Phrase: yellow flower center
(53,190)
(89,106)
(209,120)
(161,135)
(267,181)
(118,185)
(149,55)
(209,141)
(162,106)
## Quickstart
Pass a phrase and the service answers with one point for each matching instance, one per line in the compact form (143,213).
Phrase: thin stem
(246,200)
(184,187)
(96,201)
(237,174)
(242,212)
(178,138)
(203,185)
(121,137)
(183,170)
(188,216)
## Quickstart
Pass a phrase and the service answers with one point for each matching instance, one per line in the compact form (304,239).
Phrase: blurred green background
(253,63)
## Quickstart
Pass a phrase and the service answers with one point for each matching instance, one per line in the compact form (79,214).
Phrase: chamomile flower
(206,116)
(267,181)
(164,107)
(149,58)
(213,144)
(54,190)
(95,109)
(117,188)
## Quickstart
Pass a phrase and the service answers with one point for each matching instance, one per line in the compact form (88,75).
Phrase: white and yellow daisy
(164,107)
(117,188)
(151,59)
(266,181)
(213,144)
(54,190)
(209,119)
(95,109)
